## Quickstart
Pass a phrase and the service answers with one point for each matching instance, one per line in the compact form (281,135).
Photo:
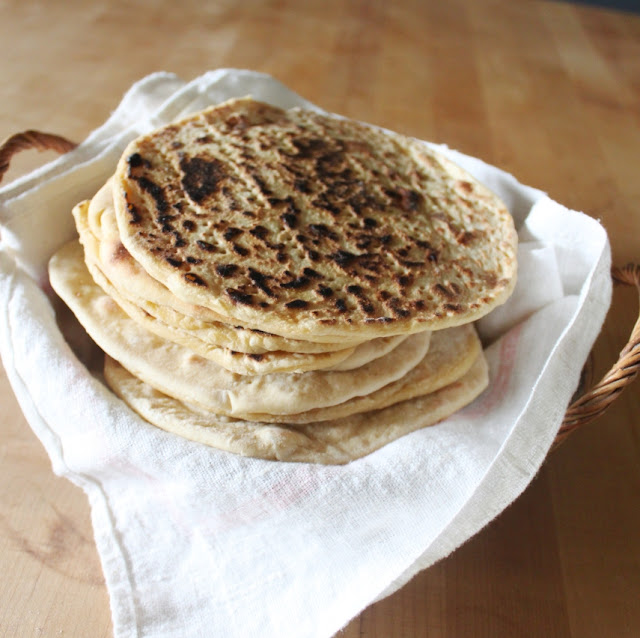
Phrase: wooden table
(548,91)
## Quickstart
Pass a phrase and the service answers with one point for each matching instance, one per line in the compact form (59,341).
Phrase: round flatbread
(311,226)
(451,353)
(330,442)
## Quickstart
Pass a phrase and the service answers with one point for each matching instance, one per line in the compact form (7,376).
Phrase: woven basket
(589,404)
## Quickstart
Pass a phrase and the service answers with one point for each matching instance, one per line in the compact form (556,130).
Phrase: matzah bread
(310,226)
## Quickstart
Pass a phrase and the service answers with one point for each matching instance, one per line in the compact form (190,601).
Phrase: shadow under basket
(589,402)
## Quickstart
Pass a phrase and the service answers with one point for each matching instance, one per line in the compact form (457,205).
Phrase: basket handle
(31,140)
(584,409)
(596,400)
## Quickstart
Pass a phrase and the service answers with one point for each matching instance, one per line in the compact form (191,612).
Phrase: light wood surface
(546,90)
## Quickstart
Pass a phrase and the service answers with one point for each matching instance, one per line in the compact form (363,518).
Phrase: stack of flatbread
(286,284)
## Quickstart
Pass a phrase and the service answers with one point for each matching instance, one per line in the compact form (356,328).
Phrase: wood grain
(549,91)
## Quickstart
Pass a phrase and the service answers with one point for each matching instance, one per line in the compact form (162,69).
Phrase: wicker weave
(595,401)
(588,406)
(28,140)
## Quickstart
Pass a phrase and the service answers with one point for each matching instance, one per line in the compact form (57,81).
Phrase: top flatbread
(310,226)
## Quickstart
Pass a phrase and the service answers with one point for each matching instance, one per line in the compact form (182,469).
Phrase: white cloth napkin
(198,542)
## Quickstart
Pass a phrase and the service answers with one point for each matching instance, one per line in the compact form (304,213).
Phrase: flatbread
(96,224)
(311,226)
(196,340)
(240,362)
(451,353)
(329,442)
(370,351)
(207,339)
(178,372)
